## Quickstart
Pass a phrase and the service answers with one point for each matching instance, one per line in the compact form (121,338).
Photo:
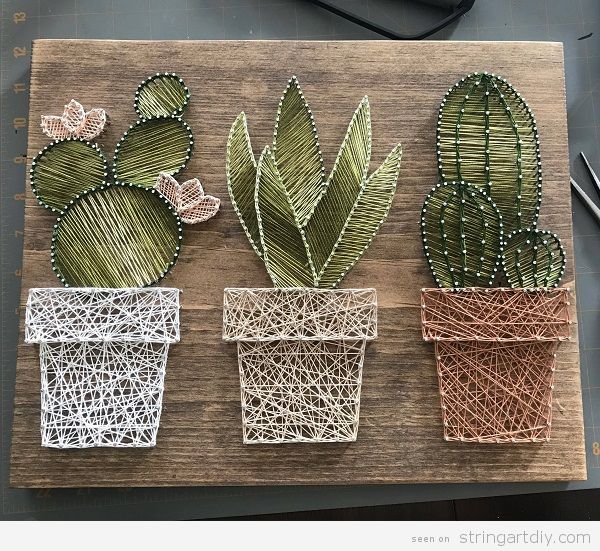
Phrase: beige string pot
(300,355)
(495,352)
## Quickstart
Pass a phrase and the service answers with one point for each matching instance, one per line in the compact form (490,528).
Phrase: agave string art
(301,345)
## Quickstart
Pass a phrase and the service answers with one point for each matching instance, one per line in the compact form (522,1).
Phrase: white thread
(103,354)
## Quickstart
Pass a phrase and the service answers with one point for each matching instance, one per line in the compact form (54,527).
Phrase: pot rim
(55,315)
(246,308)
(458,314)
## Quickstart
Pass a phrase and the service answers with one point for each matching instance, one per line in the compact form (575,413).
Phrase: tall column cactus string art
(104,340)
(495,347)
(301,345)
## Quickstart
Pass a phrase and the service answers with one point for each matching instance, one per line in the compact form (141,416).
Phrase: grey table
(569,21)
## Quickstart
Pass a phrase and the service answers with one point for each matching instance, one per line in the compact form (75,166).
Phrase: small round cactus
(533,258)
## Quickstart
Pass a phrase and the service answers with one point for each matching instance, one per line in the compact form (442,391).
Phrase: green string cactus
(485,210)
(119,231)
(309,229)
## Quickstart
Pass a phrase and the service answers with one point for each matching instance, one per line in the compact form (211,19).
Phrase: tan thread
(495,353)
(300,353)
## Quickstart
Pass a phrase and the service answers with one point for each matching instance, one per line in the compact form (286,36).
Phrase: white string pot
(103,354)
(300,353)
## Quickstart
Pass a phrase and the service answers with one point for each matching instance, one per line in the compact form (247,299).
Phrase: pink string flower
(189,200)
(74,123)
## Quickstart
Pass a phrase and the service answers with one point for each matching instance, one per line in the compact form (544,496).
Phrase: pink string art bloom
(74,123)
(189,199)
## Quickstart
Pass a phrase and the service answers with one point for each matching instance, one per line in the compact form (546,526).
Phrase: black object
(585,199)
(458,10)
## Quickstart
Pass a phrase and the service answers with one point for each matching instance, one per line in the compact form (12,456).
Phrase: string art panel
(300,354)
(103,354)
(495,353)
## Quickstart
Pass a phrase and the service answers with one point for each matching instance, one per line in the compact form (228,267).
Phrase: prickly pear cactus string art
(301,345)
(479,228)
(104,342)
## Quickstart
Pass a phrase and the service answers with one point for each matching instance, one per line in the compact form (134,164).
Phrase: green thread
(116,236)
(161,95)
(297,152)
(308,230)
(342,188)
(241,180)
(487,139)
(368,213)
(151,146)
(533,258)
(470,258)
(284,248)
(65,169)
(486,128)
(122,234)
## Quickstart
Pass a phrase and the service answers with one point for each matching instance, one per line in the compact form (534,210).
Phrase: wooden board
(400,436)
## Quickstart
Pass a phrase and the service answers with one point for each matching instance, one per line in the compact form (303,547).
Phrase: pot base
(300,391)
(496,392)
(101,394)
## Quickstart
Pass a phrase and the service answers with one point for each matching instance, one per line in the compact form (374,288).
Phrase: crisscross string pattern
(495,354)
(300,353)
(103,355)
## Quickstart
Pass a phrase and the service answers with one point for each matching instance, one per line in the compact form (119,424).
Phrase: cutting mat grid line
(25,20)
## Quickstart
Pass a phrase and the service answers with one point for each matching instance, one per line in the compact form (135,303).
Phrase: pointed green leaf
(152,146)
(283,243)
(343,187)
(297,152)
(241,179)
(161,95)
(369,212)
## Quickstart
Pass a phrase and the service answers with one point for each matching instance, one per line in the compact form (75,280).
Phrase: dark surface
(563,20)
(577,505)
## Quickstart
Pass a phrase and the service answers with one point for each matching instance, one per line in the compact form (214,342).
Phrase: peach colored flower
(189,200)
(74,123)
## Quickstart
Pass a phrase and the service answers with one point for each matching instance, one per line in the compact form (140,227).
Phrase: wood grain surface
(400,435)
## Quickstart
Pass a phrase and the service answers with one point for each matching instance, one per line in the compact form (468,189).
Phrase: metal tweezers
(589,204)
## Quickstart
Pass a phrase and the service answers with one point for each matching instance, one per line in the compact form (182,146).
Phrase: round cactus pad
(161,95)
(65,169)
(151,146)
(116,236)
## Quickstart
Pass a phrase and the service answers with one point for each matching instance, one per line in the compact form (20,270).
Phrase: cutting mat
(400,434)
